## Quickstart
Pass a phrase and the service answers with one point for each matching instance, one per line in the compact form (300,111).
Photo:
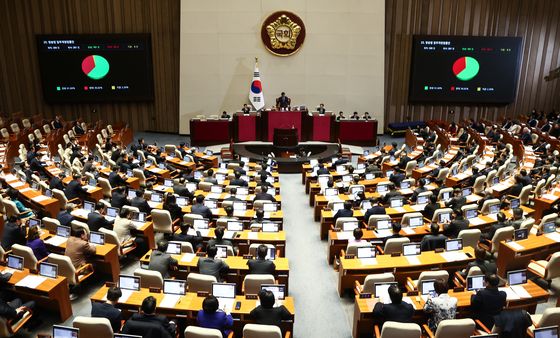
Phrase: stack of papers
(453,256)
(413,260)
(17,184)
(368,261)
(476,221)
(383,233)
(409,231)
(511,295)
(125,295)
(169,301)
(554,236)
(56,240)
(188,257)
(520,291)
(516,246)
(31,281)
(550,197)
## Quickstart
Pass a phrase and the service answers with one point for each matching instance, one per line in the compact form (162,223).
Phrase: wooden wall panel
(20,87)
(536,21)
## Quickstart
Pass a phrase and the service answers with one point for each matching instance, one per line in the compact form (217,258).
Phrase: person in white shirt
(440,307)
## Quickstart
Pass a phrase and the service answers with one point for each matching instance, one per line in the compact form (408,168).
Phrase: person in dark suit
(513,323)
(184,236)
(283,102)
(161,261)
(57,123)
(13,233)
(170,204)
(118,198)
(322,170)
(115,179)
(470,181)
(501,223)
(261,265)
(488,302)
(431,207)
(344,212)
(232,195)
(340,116)
(181,190)
(376,209)
(96,220)
(210,177)
(355,116)
(225,115)
(487,267)
(393,193)
(200,209)
(140,203)
(74,188)
(421,188)
(246,109)
(211,266)
(397,310)
(321,109)
(65,216)
(397,177)
(56,182)
(515,189)
(395,229)
(264,195)
(158,326)
(434,240)
(457,201)
(108,309)
(219,238)
(266,313)
(238,181)
(404,161)
(458,223)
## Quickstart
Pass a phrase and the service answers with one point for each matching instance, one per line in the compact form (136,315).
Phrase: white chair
(122,248)
(252,283)
(29,259)
(546,269)
(406,217)
(501,234)
(149,278)
(80,225)
(162,221)
(370,280)
(105,187)
(400,330)
(441,275)
(470,237)
(394,245)
(549,317)
(93,327)
(489,203)
(200,332)
(444,191)
(435,218)
(198,282)
(341,220)
(410,167)
(524,194)
(253,248)
(373,219)
(261,331)
(352,248)
(478,185)
(456,328)
(2,253)
(51,224)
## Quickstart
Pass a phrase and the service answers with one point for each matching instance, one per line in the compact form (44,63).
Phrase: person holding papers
(78,247)
(397,310)
(212,266)
(161,261)
(108,309)
(266,313)
(261,265)
(488,302)
(212,318)
(440,307)
(148,323)
(13,233)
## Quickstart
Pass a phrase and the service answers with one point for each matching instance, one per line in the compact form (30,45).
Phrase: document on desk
(333,199)
(31,281)
(383,233)
(368,261)
(453,256)
(409,301)
(413,260)
(188,257)
(17,184)
(511,295)
(344,235)
(125,295)
(229,234)
(25,189)
(82,213)
(493,216)
(56,240)
(554,236)
(515,246)
(253,235)
(169,301)
(9,177)
(138,225)
(550,197)
(476,221)
(520,291)
(418,207)
(399,209)
(213,196)
(408,230)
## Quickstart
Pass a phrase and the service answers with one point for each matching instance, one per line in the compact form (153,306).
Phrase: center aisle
(320,312)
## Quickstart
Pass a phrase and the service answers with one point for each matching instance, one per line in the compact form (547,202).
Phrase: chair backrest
(252,283)
(189,218)
(205,186)
(139,174)
(201,332)
(105,186)
(162,221)
(4,330)
(443,172)
(550,317)
(253,248)
(490,177)
(149,278)
(552,269)
(93,327)
(470,237)
(259,204)
(341,221)
(15,128)
(261,331)
(501,235)
(65,267)
(527,224)
(524,194)
(59,195)
(441,275)
(199,282)
(80,225)
(50,224)
(394,245)
(2,253)
(406,217)
(5,133)
(11,209)
(401,330)
(352,248)
(435,218)
(540,185)
(479,184)
(29,259)
(370,280)
(409,167)
(443,191)
(456,328)
(548,218)
(111,238)
(488,203)
(475,271)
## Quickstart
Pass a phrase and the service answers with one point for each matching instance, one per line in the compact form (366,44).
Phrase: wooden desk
(245,238)
(53,294)
(93,193)
(31,197)
(352,270)
(363,320)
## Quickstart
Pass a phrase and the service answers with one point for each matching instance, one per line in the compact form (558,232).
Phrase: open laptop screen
(129,282)
(517,277)
(223,290)
(48,270)
(279,290)
(174,286)
(546,332)
(65,332)
(475,283)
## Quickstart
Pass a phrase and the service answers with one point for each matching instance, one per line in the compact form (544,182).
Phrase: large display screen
(96,68)
(464,69)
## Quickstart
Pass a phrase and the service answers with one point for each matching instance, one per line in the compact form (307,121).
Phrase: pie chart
(465,68)
(95,66)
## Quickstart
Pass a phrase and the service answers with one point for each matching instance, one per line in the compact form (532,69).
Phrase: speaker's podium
(285,138)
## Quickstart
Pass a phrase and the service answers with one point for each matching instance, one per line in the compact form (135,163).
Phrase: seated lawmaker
(13,233)
(440,307)
(212,318)
(488,302)
(264,195)
(109,308)
(96,219)
(161,261)
(434,240)
(261,265)
(397,310)
(146,319)
(266,313)
(344,212)
(321,109)
(36,244)
(78,247)
(212,266)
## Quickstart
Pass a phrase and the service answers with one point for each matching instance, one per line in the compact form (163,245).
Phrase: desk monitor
(337,206)
(428,287)
(494,209)
(148,163)
(383,224)
(515,203)
(174,248)
(396,202)
(516,277)
(454,171)
(65,332)
(156,197)
(269,227)
(168,182)
(366,152)
(446,195)
(223,290)
(270,254)
(48,270)
(234,226)
(48,192)
(127,282)
(355,190)
(220,178)
(453,244)
(521,234)
(366,204)
(182,201)
(139,216)
(211,204)
(191,186)
(424,199)
(471,213)
(197,175)
(496,180)
(405,184)
(445,217)
(131,193)
(174,286)
(35,186)
(411,249)
(200,224)
(549,227)
(14,262)
(216,189)
(161,165)
(475,283)
(239,206)
(92,182)
(129,173)
(381,290)
(97,238)
(369,176)
(279,290)
(347,178)
(112,212)
(34,222)
(414,222)
(63,231)
(89,206)
(349,225)
(361,166)
(467,192)
(340,168)
(221,251)
(365,252)
(546,332)
(382,188)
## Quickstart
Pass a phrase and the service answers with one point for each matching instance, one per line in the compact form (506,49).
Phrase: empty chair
(443,172)
(547,270)
(410,167)
(470,237)
(38,134)
(197,282)
(162,221)
(441,275)
(394,245)
(47,129)
(550,317)
(259,204)
(50,224)
(15,128)
(93,327)
(5,134)
(370,280)
(200,332)
(149,278)
(456,328)
(261,331)
(80,225)
(205,186)
(373,219)
(524,194)
(252,283)
(2,253)
(401,330)
(66,269)
(29,260)
(490,177)
(501,234)
(548,218)
(478,185)
(105,187)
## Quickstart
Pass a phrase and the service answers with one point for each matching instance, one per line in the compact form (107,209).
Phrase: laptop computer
(365,252)
(381,291)
(234,226)
(405,184)
(471,213)
(383,224)
(475,283)
(428,287)
(494,209)
(515,203)
(453,244)
(174,287)
(139,217)
(269,227)
(396,202)
(200,224)
(48,192)
(112,213)
(97,238)
(445,217)
(14,262)
(337,206)
(323,179)
(414,222)
(92,182)
(366,204)
(381,188)
(34,222)
(60,331)
(168,182)
(63,231)
(89,206)
(331,192)
(546,332)
(48,270)
(225,293)
(221,251)
(355,190)
(422,199)
(446,195)
(521,234)
(279,290)
(216,189)
(174,248)
(369,176)
(411,249)
(131,283)
(211,204)
(467,192)
(129,173)
(549,227)
(516,277)
(349,225)
(156,198)
(182,201)
(270,207)
(131,193)
(239,206)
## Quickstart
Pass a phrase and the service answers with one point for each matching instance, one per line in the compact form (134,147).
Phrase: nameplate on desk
(365,295)
(349,256)
(250,296)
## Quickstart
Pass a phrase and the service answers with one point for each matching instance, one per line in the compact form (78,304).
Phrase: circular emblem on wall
(283,33)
